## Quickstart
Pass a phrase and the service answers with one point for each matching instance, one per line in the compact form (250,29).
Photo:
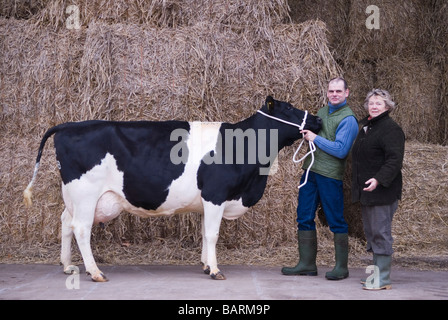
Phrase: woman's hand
(372,184)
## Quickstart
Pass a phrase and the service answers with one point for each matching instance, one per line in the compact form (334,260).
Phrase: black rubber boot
(340,271)
(307,255)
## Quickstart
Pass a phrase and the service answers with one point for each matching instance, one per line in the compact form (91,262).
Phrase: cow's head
(285,111)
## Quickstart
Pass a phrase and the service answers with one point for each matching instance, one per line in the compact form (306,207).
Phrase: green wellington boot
(364,280)
(384,264)
(307,255)
(340,271)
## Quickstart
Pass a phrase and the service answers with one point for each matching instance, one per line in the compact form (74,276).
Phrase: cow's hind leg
(66,242)
(82,228)
(210,232)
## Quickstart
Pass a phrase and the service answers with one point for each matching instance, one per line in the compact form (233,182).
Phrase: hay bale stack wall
(437,55)
(201,60)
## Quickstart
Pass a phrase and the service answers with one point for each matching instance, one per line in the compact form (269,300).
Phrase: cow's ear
(270,103)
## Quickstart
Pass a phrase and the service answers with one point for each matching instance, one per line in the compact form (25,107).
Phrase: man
(324,186)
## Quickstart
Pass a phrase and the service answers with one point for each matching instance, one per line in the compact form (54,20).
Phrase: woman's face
(377,106)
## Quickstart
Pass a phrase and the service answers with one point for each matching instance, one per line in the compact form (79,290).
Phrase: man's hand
(308,135)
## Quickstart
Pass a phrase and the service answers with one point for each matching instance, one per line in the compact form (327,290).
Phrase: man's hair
(340,79)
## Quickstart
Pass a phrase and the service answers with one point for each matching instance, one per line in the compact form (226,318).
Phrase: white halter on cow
(311,143)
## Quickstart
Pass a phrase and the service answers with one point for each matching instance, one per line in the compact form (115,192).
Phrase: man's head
(338,91)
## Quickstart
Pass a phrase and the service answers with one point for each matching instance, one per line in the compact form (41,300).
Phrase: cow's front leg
(205,266)
(210,232)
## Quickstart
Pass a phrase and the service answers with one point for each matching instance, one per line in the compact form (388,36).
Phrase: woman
(377,159)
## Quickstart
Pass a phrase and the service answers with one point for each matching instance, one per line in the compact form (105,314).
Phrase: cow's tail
(27,193)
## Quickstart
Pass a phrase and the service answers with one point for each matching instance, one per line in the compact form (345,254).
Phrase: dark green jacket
(378,153)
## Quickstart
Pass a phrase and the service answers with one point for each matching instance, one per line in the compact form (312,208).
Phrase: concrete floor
(44,282)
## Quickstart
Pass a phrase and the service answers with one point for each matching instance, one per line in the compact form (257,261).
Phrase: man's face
(336,93)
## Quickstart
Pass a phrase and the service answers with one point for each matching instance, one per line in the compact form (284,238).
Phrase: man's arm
(345,136)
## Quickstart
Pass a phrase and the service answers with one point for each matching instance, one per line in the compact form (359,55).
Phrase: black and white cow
(163,168)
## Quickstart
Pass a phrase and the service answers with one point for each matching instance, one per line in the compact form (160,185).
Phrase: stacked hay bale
(415,87)
(334,14)
(162,13)
(437,55)
(20,9)
(392,58)
(406,56)
(421,223)
(212,63)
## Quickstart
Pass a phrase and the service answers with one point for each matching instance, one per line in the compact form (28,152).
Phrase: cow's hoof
(71,269)
(206,269)
(100,278)
(218,276)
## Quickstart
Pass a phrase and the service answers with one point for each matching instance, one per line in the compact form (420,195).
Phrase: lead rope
(311,143)
(312,150)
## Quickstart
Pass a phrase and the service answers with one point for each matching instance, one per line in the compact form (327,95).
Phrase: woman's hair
(385,95)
